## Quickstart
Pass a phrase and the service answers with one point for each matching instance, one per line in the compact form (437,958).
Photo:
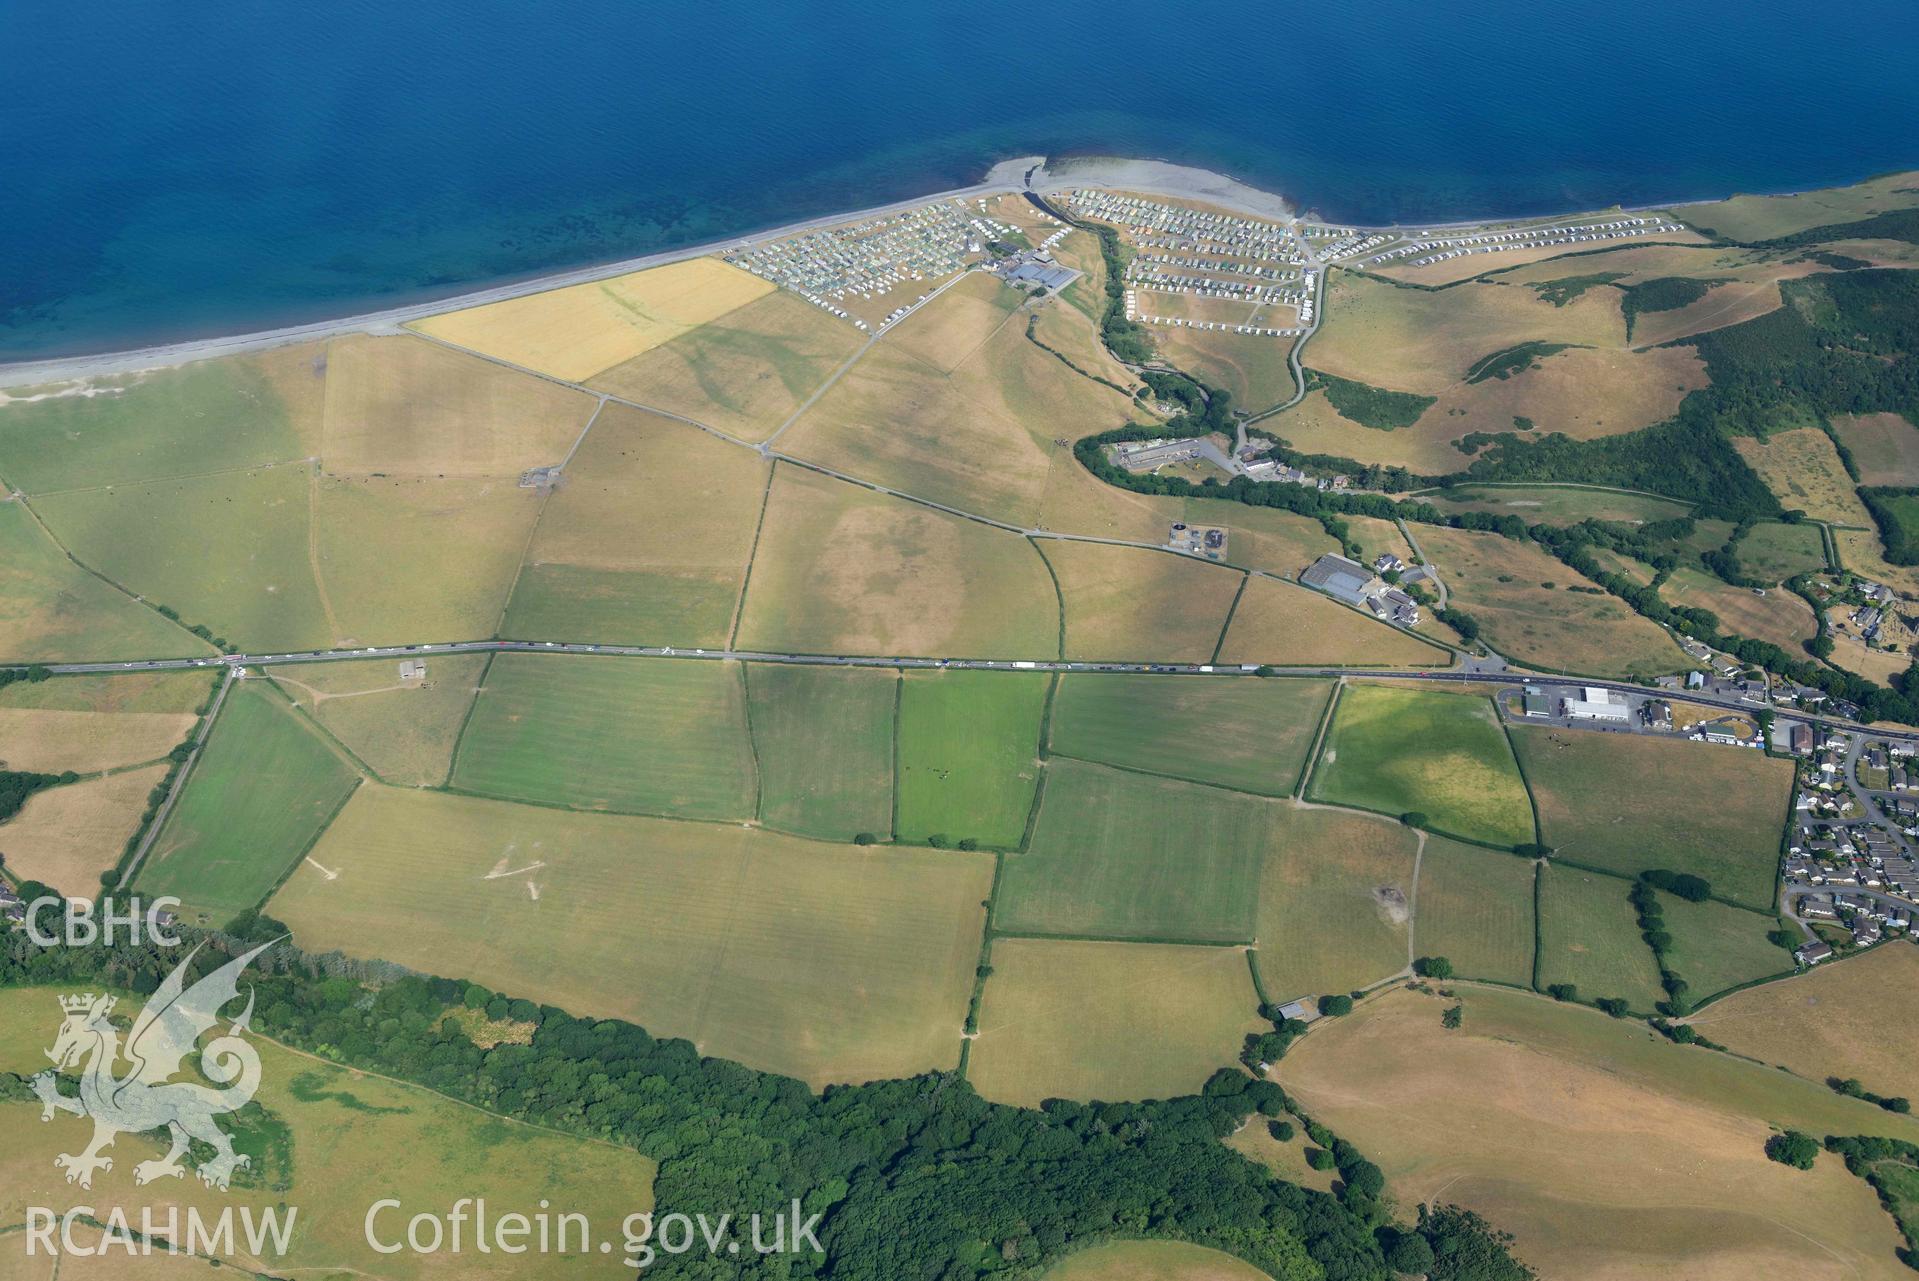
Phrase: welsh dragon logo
(146,1097)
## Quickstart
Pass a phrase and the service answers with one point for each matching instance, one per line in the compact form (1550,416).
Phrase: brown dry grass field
(1415,340)
(401,560)
(1763,217)
(1313,426)
(51,742)
(1502,583)
(1803,470)
(1885,447)
(1287,625)
(647,537)
(745,373)
(843,570)
(826,962)
(405,406)
(1860,551)
(1070,331)
(953,327)
(1852,1019)
(1131,603)
(67,836)
(578,331)
(1583,392)
(404,731)
(1609,1153)
(1779,616)
(1112,1021)
(1152,1261)
(1254,367)
(1334,902)
(979,430)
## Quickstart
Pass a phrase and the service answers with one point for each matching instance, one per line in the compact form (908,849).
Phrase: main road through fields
(1474,671)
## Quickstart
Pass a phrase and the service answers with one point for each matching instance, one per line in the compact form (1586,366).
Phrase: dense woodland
(917,1179)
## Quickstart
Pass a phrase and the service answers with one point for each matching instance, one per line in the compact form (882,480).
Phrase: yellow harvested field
(403,730)
(1609,1153)
(52,742)
(408,407)
(1583,392)
(825,962)
(1127,603)
(841,569)
(581,330)
(1763,217)
(66,836)
(1779,616)
(1856,1018)
(403,560)
(1505,585)
(1110,1021)
(1803,471)
(1286,625)
(1152,1261)
(1885,447)
(1419,341)
(744,374)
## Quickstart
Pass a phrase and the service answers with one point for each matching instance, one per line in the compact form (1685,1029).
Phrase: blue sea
(170,171)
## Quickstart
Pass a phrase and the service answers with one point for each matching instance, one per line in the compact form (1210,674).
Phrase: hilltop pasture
(1475,908)
(1630,802)
(843,570)
(1885,447)
(1121,855)
(1589,937)
(824,962)
(1112,1021)
(1132,604)
(1335,902)
(1609,1153)
(1252,736)
(969,754)
(823,738)
(262,790)
(1286,625)
(628,735)
(404,731)
(1404,750)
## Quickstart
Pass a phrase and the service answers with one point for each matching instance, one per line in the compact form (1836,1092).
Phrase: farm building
(1348,580)
(1595,704)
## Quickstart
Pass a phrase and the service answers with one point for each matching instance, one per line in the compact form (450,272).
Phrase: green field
(51,609)
(1556,504)
(1400,751)
(1716,946)
(1122,855)
(1589,937)
(636,736)
(214,415)
(1629,803)
(1475,908)
(1773,552)
(1249,735)
(1152,1261)
(824,740)
(263,788)
(229,551)
(1111,1021)
(1334,897)
(825,962)
(968,754)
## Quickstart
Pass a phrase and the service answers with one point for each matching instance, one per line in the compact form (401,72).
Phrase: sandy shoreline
(1148,177)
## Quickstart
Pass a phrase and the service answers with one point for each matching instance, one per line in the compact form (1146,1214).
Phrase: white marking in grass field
(533,891)
(331,876)
(501,871)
